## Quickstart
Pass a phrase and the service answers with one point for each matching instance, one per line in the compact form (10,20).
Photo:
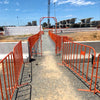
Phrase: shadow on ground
(24,92)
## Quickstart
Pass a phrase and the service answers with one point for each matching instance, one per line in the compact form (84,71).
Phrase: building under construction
(86,22)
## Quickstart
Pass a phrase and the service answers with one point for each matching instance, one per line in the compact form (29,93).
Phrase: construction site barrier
(58,40)
(33,44)
(80,59)
(10,72)
(97,79)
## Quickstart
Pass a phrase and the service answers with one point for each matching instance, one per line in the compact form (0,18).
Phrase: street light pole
(18,20)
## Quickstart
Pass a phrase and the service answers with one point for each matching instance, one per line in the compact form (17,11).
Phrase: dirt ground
(84,36)
(14,38)
(79,36)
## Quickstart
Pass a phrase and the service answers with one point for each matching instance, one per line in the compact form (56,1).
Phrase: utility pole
(54,10)
(48,13)
(18,20)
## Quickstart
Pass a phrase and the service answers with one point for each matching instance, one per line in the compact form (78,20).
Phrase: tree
(44,24)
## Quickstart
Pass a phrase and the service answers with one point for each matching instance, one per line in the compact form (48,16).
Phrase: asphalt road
(94,44)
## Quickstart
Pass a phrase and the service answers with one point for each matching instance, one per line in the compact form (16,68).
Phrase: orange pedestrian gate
(10,72)
(80,59)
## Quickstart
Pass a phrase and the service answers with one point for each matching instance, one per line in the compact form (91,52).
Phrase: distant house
(1,31)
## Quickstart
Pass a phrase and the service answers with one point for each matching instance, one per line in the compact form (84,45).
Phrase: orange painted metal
(77,57)
(97,77)
(33,40)
(18,60)
(6,78)
(58,40)
(10,72)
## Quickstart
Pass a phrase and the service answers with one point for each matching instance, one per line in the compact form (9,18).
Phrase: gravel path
(49,82)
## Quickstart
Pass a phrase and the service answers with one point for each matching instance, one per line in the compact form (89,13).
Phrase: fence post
(62,48)
(29,52)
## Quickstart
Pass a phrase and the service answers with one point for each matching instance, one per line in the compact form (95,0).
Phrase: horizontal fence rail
(33,44)
(10,71)
(80,59)
(7,77)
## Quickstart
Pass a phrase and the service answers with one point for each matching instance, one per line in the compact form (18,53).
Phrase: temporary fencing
(97,79)
(33,44)
(80,59)
(58,40)
(10,72)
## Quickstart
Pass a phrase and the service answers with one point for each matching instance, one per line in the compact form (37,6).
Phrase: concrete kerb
(7,47)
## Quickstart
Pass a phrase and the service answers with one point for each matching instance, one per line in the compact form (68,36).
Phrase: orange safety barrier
(78,58)
(18,60)
(33,42)
(7,77)
(10,72)
(58,40)
(97,79)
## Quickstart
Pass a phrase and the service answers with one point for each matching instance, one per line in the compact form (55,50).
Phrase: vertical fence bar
(1,89)
(80,60)
(88,64)
(10,73)
(77,57)
(8,78)
(83,62)
(4,80)
(95,89)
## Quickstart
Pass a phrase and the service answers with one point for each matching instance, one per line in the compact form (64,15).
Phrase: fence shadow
(93,82)
(24,92)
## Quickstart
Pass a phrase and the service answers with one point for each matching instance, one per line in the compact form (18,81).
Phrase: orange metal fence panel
(7,77)
(10,72)
(58,40)
(78,57)
(18,60)
(97,79)
(33,42)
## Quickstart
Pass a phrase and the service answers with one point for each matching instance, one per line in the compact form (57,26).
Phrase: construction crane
(48,13)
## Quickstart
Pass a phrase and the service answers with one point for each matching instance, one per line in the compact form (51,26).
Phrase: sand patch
(84,36)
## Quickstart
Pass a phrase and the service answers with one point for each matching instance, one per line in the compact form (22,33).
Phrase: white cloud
(17,3)
(53,1)
(17,9)
(6,2)
(76,2)
(69,16)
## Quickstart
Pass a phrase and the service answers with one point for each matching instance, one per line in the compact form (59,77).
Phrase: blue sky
(29,10)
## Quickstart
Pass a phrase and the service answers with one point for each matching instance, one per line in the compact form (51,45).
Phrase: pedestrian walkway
(53,82)
(49,82)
